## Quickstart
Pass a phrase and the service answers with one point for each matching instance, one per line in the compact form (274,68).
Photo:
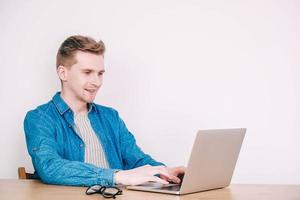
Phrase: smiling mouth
(91,90)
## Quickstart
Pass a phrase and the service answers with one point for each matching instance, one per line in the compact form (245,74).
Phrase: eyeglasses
(107,192)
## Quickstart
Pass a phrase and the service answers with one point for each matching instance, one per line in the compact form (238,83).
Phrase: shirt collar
(62,106)
(92,107)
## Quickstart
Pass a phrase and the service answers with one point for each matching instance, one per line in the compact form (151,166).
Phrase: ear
(62,73)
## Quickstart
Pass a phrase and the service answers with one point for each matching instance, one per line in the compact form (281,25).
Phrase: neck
(77,106)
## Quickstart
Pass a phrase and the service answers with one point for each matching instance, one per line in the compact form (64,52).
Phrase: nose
(96,80)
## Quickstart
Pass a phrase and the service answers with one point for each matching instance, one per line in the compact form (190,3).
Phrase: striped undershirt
(94,153)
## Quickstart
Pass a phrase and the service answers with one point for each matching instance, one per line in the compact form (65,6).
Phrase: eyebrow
(89,69)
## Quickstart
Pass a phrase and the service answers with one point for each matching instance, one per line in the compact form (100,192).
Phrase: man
(73,141)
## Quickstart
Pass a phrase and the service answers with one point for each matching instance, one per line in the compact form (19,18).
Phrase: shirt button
(70,125)
(81,145)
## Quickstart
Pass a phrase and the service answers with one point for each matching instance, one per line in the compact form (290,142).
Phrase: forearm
(64,172)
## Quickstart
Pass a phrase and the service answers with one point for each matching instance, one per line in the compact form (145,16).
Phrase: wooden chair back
(23,174)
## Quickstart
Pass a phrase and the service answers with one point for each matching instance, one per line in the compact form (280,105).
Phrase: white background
(173,67)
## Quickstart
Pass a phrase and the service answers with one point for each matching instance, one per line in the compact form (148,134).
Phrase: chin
(90,100)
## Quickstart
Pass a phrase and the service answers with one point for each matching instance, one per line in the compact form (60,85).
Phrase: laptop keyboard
(170,187)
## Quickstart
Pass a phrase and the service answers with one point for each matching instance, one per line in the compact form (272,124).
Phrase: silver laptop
(211,164)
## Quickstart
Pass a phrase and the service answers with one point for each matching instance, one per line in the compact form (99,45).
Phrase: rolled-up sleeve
(40,134)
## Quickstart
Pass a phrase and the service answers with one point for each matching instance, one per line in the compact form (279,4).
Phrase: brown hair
(67,50)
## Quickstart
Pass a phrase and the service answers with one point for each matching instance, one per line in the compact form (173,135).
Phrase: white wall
(173,67)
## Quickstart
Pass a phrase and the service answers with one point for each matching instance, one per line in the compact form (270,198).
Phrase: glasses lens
(93,189)
(111,192)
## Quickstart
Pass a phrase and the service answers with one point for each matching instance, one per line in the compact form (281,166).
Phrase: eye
(100,73)
(87,72)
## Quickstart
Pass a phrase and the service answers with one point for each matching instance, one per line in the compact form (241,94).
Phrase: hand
(174,172)
(142,175)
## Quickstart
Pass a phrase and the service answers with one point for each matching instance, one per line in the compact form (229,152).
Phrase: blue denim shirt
(57,152)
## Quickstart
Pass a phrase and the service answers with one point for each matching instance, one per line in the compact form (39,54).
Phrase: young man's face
(82,80)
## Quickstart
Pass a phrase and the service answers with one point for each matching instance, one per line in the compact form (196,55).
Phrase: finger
(175,179)
(162,172)
(158,180)
(164,177)
(172,178)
